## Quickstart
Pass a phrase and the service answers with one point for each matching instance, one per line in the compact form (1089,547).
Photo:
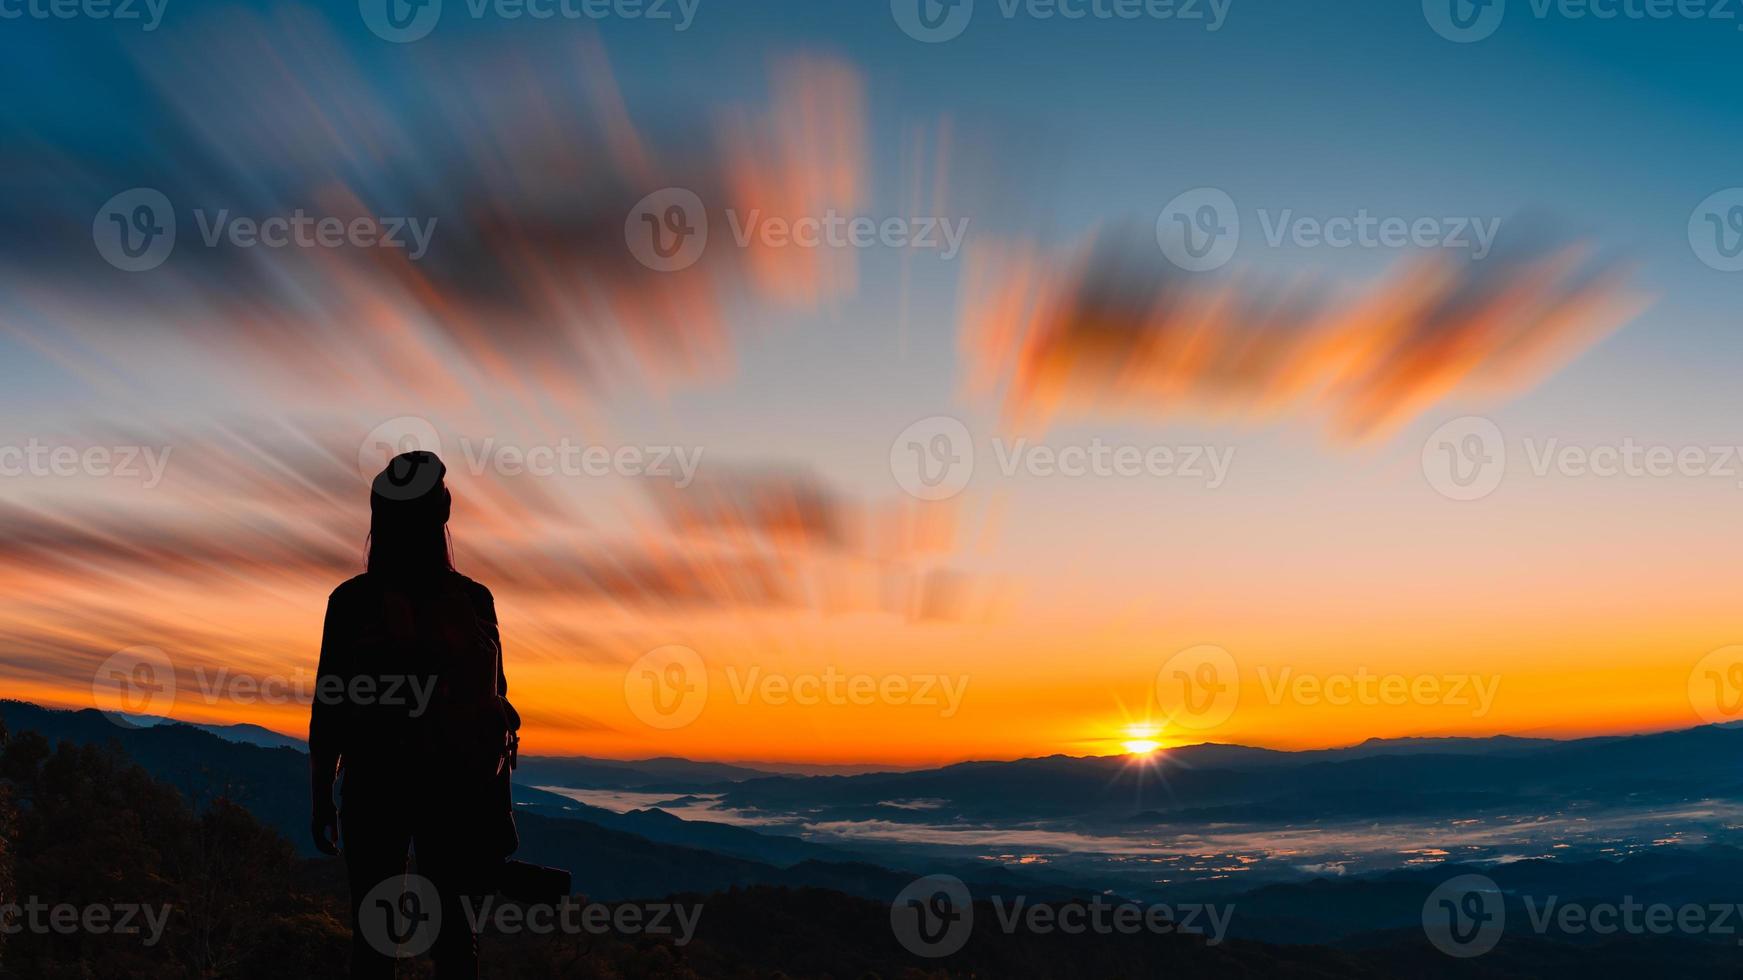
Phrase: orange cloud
(1108,331)
(521,164)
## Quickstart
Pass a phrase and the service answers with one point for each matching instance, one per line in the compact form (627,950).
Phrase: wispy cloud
(1110,330)
(520,163)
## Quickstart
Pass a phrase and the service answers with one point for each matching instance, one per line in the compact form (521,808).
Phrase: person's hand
(324,828)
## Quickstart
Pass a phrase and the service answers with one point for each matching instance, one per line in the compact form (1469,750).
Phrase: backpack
(468,728)
(484,727)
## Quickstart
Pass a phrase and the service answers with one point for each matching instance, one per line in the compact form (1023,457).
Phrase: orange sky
(1031,613)
(1028,679)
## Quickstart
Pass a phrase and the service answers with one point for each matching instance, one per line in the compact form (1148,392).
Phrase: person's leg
(447,857)
(374,842)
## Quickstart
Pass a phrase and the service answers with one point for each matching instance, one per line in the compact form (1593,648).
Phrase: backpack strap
(510,717)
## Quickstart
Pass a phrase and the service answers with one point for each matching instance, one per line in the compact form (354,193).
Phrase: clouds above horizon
(1108,330)
(529,321)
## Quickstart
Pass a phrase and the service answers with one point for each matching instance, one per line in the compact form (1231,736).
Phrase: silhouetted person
(410,714)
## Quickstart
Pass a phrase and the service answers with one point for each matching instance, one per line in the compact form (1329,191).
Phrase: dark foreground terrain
(83,823)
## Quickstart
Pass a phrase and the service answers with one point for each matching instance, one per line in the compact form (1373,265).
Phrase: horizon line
(749,764)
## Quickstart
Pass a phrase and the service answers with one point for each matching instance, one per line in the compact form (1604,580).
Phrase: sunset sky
(1039,612)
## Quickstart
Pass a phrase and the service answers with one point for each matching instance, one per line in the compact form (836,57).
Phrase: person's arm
(326,733)
(485,605)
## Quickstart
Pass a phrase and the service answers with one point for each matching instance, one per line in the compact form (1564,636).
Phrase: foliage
(90,829)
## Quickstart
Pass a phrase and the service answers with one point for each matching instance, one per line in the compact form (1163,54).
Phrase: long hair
(408,518)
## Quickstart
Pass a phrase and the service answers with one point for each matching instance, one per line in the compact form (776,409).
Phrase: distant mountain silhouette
(265,738)
(1211,782)
(609,861)
(1385,779)
(666,773)
(1220,755)
(660,826)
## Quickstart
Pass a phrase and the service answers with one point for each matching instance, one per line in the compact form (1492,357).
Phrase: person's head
(408,517)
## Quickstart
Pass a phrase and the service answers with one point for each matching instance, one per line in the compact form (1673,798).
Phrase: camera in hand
(532,883)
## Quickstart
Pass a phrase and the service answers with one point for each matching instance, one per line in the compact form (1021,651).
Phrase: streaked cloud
(521,163)
(1110,330)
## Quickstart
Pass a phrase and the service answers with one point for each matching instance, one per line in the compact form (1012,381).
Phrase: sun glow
(1140,739)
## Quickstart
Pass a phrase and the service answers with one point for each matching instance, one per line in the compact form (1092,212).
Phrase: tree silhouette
(91,829)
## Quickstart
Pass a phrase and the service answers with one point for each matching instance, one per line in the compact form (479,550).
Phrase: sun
(1140,740)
